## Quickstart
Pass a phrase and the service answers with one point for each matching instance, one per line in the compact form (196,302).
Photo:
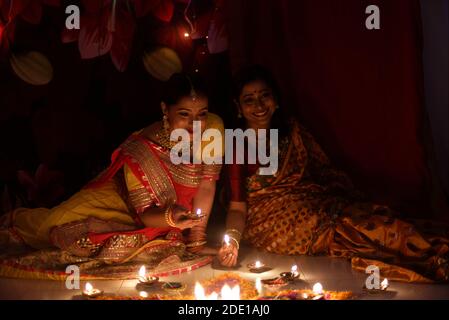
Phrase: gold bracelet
(234,234)
(233,240)
(169,218)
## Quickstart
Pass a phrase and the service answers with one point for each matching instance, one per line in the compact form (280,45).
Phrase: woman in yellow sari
(134,212)
(309,207)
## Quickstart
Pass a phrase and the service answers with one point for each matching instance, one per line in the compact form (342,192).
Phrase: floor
(333,274)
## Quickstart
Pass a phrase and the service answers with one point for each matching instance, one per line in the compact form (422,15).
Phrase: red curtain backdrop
(358,91)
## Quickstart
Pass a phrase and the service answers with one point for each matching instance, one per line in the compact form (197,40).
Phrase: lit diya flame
(88,288)
(226,293)
(317,288)
(230,294)
(142,274)
(201,295)
(199,292)
(258,267)
(227,240)
(90,291)
(384,284)
(294,270)
(143,278)
(143,294)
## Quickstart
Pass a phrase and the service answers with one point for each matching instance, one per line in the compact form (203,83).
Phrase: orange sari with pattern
(310,208)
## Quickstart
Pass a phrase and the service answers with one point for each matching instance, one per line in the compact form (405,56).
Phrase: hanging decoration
(108,27)
(162,63)
(209,32)
(32,67)
(217,36)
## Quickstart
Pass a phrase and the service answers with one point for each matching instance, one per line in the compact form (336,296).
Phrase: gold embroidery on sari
(152,170)
(141,199)
(185,174)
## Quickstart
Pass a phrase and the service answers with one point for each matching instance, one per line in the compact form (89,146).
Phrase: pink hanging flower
(108,26)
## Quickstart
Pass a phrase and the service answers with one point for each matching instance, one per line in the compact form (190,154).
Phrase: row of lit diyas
(228,293)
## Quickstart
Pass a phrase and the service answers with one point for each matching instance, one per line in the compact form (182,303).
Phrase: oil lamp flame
(317,288)
(142,272)
(227,239)
(384,284)
(89,288)
(294,270)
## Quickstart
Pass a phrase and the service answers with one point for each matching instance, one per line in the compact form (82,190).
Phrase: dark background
(376,100)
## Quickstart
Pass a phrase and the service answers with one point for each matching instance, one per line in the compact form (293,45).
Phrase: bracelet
(169,218)
(234,234)
(196,244)
(235,242)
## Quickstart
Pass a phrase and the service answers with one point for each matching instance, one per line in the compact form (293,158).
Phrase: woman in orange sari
(309,207)
(134,212)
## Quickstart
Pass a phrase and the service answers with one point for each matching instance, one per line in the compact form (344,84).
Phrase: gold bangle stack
(169,218)
(235,236)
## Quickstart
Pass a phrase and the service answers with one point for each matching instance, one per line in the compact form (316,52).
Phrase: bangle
(234,234)
(235,242)
(169,218)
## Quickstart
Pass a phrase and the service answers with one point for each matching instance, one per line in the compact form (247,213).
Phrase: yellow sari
(100,224)
(309,207)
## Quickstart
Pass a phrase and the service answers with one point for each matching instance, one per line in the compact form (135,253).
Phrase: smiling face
(182,114)
(257,104)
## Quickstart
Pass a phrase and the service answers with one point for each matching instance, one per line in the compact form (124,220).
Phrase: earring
(277,106)
(239,115)
(165,123)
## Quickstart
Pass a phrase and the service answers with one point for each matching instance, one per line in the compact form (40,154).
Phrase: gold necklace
(163,137)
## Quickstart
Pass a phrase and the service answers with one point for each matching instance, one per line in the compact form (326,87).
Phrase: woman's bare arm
(236,218)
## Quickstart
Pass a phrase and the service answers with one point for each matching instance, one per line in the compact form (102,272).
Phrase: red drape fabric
(358,91)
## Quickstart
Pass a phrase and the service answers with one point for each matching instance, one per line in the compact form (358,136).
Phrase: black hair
(259,73)
(254,73)
(182,85)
